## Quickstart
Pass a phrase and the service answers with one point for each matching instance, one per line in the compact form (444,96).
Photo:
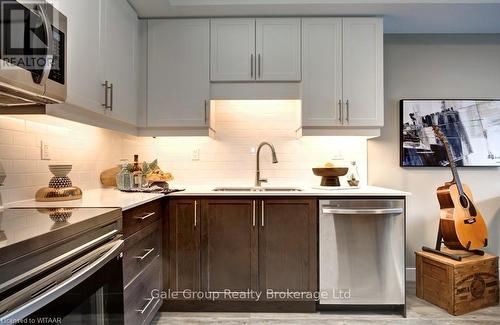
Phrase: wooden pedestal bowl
(330,175)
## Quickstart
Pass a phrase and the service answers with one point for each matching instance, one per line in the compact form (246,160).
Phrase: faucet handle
(263,180)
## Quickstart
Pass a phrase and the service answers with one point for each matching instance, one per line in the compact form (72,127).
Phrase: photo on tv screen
(472,128)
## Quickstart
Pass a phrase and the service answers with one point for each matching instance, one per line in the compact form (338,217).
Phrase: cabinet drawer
(137,218)
(140,307)
(140,249)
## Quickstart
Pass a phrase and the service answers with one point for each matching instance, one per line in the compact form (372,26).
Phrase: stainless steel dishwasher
(362,252)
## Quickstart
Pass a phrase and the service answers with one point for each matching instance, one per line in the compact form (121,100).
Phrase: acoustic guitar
(461,223)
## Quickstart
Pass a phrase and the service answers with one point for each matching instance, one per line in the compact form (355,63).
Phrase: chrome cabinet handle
(111,101)
(347,110)
(148,251)
(253,209)
(361,211)
(251,66)
(259,67)
(262,214)
(340,110)
(146,307)
(206,111)
(195,213)
(106,98)
(144,217)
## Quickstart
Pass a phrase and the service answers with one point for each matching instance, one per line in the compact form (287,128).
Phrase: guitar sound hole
(464,201)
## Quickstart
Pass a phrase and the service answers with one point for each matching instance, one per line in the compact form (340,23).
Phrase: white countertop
(306,191)
(112,198)
(98,198)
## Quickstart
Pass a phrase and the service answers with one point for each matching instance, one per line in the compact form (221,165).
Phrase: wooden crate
(458,287)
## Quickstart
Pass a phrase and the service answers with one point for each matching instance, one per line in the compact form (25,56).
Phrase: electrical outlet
(196,154)
(45,151)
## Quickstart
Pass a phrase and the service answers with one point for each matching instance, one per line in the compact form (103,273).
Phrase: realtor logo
(26,36)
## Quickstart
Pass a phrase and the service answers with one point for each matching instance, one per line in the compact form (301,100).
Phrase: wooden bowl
(330,171)
(330,175)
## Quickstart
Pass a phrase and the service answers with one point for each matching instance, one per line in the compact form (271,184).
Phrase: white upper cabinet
(84,68)
(342,72)
(121,33)
(266,49)
(103,46)
(178,73)
(278,49)
(232,49)
(322,71)
(363,71)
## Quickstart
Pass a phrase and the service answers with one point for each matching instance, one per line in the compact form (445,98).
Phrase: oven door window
(96,301)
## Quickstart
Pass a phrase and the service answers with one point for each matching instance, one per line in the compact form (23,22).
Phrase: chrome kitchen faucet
(258,180)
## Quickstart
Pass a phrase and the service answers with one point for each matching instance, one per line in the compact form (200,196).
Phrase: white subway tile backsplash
(226,160)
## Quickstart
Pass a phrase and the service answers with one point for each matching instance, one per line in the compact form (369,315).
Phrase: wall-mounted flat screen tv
(472,128)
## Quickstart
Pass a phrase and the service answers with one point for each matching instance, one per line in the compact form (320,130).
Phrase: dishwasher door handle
(332,210)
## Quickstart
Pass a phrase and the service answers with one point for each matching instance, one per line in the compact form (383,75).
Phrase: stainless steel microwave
(33,54)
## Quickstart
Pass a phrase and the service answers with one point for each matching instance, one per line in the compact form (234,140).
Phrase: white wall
(435,66)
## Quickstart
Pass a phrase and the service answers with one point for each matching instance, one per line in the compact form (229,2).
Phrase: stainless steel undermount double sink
(257,189)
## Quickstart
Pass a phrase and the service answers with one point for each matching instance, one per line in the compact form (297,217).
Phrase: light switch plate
(196,155)
(45,151)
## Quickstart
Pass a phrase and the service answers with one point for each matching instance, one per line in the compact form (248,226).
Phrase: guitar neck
(453,166)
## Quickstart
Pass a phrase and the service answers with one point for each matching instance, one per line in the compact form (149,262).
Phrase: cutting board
(108,177)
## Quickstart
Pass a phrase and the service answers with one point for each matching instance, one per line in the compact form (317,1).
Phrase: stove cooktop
(46,225)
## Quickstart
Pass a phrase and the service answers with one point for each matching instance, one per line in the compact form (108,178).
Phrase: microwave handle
(51,293)
(50,45)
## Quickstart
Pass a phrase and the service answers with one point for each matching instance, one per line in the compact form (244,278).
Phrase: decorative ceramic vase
(60,186)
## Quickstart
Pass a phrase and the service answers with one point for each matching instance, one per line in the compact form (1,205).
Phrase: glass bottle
(353,177)
(136,173)
(124,178)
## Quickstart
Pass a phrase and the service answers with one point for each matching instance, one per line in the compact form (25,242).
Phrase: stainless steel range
(61,264)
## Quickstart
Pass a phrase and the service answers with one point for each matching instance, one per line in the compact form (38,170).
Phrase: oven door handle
(50,45)
(327,210)
(55,292)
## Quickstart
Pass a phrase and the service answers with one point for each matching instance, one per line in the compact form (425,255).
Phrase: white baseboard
(411,274)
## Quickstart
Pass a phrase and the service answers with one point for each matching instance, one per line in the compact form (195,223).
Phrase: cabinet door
(287,245)
(229,245)
(84,55)
(322,71)
(278,49)
(178,77)
(232,46)
(121,33)
(183,269)
(363,71)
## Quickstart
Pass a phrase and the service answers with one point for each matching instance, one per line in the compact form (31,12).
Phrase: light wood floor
(419,312)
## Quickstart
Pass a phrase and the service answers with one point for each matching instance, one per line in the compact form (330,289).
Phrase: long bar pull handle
(262,213)
(206,113)
(251,66)
(144,217)
(143,310)
(148,252)
(254,213)
(361,211)
(195,213)
(347,110)
(259,67)
(111,100)
(106,98)
(340,110)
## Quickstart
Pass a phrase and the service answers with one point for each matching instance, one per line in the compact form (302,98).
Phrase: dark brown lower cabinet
(183,270)
(229,236)
(240,244)
(287,248)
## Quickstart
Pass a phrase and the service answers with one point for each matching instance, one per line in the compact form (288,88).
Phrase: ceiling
(400,16)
